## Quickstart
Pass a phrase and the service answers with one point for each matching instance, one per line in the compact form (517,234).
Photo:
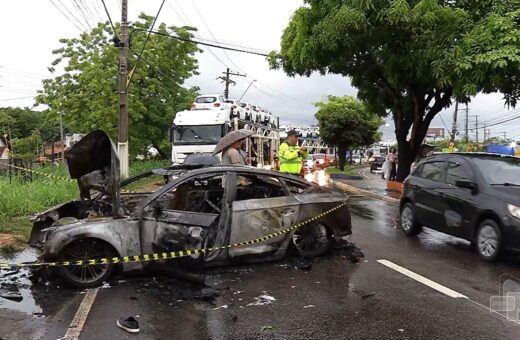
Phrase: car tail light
(216,104)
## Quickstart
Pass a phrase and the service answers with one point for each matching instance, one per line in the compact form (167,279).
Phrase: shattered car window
(256,187)
(202,195)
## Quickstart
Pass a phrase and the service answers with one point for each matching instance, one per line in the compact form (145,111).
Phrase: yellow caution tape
(168,255)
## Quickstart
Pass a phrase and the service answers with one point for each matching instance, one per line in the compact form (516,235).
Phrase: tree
(347,122)
(22,120)
(87,91)
(408,58)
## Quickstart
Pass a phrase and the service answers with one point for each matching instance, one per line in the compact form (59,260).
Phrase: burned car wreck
(199,208)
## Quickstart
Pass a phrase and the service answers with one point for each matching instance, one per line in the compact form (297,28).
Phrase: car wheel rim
(86,250)
(487,241)
(309,239)
(407,219)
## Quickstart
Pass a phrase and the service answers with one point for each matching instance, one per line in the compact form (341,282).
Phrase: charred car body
(209,207)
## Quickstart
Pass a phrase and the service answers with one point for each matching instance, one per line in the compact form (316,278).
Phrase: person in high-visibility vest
(291,155)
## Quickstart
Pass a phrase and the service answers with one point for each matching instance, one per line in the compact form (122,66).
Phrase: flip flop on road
(129,324)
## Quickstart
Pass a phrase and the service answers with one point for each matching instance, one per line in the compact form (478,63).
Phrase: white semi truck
(199,131)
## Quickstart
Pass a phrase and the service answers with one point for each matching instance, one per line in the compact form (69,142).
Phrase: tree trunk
(342,150)
(408,149)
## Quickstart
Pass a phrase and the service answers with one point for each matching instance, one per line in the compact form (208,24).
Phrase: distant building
(436,133)
(4,148)
(55,148)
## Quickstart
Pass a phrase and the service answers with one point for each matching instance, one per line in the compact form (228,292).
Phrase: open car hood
(94,163)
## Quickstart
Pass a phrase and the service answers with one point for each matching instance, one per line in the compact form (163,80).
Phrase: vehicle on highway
(237,109)
(322,161)
(472,196)
(205,208)
(209,102)
(376,162)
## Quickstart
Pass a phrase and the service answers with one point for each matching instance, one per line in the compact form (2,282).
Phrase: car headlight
(371,159)
(514,210)
(322,161)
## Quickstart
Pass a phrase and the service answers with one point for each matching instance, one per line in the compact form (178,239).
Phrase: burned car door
(179,220)
(262,206)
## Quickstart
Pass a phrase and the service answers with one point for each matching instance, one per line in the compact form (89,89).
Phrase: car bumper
(511,234)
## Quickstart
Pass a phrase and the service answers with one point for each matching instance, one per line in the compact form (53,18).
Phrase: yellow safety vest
(290,159)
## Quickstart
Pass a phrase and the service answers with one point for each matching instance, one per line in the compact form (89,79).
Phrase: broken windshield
(208,134)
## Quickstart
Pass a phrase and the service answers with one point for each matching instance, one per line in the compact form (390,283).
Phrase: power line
(167,77)
(201,43)
(109,19)
(18,98)
(75,2)
(67,17)
(502,122)
(144,46)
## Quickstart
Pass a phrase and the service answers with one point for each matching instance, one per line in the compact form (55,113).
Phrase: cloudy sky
(31,29)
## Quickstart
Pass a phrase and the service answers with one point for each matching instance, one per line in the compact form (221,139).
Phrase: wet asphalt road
(336,299)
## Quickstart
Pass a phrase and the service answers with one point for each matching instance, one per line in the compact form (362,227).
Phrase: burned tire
(489,241)
(312,240)
(86,276)
(409,224)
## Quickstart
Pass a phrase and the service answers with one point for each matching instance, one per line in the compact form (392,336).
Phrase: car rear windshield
(205,100)
(318,156)
(499,170)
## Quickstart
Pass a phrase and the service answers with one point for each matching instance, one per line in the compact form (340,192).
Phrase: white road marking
(425,281)
(76,326)
(440,288)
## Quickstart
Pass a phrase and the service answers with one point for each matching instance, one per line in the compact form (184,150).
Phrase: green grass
(352,170)
(21,199)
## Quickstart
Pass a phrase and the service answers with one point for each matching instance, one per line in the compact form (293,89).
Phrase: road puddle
(16,286)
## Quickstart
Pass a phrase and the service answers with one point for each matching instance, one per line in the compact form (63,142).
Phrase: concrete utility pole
(454,127)
(466,127)
(122,146)
(476,128)
(485,134)
(505,135)
(227,80)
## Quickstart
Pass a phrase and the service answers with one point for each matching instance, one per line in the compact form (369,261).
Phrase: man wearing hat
(291,155)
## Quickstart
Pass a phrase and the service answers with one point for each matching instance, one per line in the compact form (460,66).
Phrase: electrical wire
(201,42)
(75,2)
(68,18)
(109,19)
(88,11)
(144,46)
(159,71)
(19,98)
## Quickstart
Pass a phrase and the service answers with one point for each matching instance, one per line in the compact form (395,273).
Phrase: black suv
(473,196)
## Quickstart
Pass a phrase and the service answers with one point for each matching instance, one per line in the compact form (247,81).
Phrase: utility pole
(485,134)
(476,128)
(505,135)
(466,127)
(62,142)
(122,146)
(227,80)
(454,127)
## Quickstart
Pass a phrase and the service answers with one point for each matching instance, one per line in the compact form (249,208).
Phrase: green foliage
(28,147)
(20,121)
(87,91)
(19,199)
(347,122)
(409,58)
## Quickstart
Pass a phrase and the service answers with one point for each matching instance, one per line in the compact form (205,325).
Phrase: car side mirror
(466,184)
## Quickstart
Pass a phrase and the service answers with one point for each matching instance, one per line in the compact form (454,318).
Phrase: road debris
(309,306)
(129,324)
(262,300)
(301,263)
(221,307)
(266,328)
